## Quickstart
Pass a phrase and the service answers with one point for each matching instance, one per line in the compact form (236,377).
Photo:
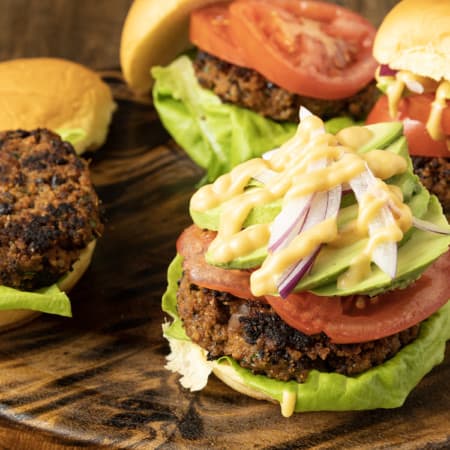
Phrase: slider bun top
(415,36)
(154,33)
(56,94)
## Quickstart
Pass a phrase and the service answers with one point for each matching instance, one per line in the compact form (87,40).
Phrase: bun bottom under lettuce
(19,307)
(384,386)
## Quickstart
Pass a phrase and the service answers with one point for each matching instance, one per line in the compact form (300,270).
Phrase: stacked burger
(413,50)
(238,92)
(315,276)
(315,272)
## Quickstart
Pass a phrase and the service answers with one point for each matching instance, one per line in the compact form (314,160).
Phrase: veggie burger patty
(254,335)
(249,89)
(49,210)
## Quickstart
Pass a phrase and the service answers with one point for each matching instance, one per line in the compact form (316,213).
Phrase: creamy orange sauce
(312,161)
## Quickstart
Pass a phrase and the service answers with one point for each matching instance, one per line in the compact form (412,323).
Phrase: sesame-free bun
(231,378)
(15,317)
(415,36)
(154,33)
(56,94)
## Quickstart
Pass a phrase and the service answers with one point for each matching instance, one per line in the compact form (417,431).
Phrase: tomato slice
(413,111)
(192,245)
(310,48)
(338,317)
(341,320)
(209,31)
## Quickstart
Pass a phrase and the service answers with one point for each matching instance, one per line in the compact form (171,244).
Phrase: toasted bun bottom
(15,317)
(230,377)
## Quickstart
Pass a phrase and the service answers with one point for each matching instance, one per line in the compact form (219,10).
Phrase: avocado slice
(383,135)
(413,258)
(259,214)
(332,261)
(415,195)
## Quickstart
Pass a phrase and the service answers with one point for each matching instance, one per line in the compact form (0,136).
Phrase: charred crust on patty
(258,339)
(49,211)
(249,89)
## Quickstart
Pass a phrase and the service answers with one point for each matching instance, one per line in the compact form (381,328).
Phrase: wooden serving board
(98,380)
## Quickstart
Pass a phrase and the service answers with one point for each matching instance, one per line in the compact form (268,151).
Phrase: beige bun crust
(415,36)
(230,377)
(154,33)
(56,94)
(15,317)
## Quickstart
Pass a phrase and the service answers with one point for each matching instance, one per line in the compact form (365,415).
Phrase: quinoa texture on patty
(249,89)
(258,339)
(49,211)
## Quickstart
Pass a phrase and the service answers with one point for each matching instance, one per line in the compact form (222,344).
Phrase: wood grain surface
(98,380)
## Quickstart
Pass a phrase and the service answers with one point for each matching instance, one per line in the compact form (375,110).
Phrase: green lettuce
(48,300)
(217,136)
(72,135)
(384,386)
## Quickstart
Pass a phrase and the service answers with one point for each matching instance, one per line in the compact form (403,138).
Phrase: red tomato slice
(393,312)
(209,31)
(338,317)
(192,245)
(413,111)
(307,47)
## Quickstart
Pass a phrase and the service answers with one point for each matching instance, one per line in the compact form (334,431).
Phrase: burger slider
(49,212)
(49,223)
(254,64)
(413,50)
(315,276)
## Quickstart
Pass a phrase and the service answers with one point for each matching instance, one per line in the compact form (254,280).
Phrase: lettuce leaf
(72,135)
(384,386)
(48,300)
(217,136)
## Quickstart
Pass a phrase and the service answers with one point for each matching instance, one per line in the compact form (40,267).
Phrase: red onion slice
(323,206)
(295,273)
(384,255)
(264,176)
(386,71)
(414,86)
(289,222)
(424,225)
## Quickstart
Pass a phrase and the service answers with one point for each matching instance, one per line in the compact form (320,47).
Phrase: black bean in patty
(49,211)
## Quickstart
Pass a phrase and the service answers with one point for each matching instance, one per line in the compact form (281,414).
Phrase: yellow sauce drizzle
(297,170)
(434,123)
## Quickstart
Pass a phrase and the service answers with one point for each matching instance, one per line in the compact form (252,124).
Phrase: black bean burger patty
(49,211)
(247,88)
(255,336)
(435,176)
